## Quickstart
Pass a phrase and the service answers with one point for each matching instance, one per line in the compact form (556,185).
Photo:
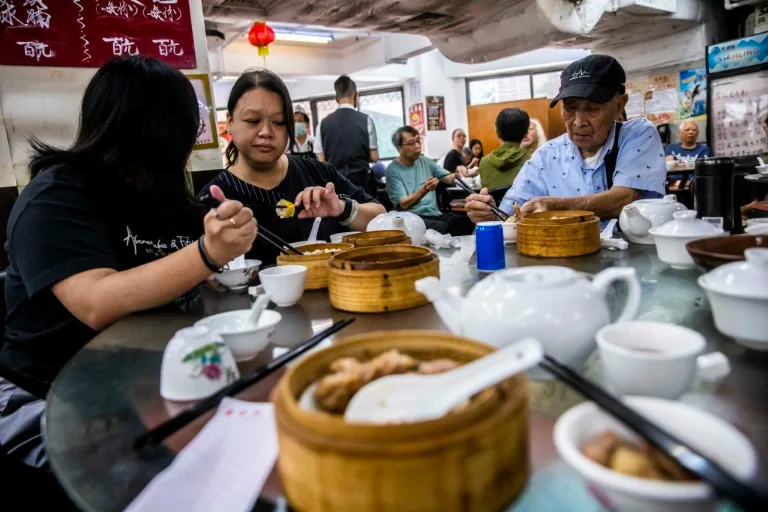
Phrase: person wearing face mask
(305,144)
(260,174)
(599,165)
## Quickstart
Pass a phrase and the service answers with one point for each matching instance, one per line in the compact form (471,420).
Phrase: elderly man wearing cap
(598,165)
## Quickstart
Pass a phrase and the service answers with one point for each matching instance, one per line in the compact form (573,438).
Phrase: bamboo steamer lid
(317,264)
(378,258)
(473,461)
(374,238)
(558,234)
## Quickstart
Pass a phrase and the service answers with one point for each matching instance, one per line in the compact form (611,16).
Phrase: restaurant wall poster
(659,97)
(89,33)
(693,94)
(416,118)
(208,137)
(435,112)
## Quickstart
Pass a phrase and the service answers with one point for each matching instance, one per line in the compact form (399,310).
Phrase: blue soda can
(489,243)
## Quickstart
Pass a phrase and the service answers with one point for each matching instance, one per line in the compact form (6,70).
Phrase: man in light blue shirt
(589,167)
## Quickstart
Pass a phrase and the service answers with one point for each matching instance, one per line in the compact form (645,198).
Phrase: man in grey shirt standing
(347,138)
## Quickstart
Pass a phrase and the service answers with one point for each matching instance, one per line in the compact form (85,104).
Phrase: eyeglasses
(412,142)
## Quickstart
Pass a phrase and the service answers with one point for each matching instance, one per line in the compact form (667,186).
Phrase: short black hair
(133,102)
(260,79)
(397,137)
(303,115)
(512,124)
(344,87)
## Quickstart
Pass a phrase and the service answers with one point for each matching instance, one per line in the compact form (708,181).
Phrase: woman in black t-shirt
(104,229)
(455,157)
(260,120)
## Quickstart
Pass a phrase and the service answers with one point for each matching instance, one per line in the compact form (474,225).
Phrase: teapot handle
(603,280)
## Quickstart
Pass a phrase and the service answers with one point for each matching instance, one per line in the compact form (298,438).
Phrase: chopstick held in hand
(498,212)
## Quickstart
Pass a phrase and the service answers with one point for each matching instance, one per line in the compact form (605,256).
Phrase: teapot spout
(637,224)
(448,306)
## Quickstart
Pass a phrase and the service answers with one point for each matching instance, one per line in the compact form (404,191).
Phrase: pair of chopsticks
(208,200)
(265,234)
(724,484)
(499,213)
(173,425)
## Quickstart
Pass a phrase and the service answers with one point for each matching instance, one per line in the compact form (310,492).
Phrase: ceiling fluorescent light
(297,37)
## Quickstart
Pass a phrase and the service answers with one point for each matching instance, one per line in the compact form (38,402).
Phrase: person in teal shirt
(411,182)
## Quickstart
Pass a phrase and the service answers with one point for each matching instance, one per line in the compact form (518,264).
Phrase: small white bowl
(244,340)
(757,229)
(196,364)
(762,169)
(510,232)
(336,237)
(705,432)
(284,284)
(240,277)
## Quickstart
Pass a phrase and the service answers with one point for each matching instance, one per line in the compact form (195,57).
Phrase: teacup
(196,363)
(284,284)
(656,359)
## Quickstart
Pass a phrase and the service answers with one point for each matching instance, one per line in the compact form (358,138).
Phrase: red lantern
(261,36)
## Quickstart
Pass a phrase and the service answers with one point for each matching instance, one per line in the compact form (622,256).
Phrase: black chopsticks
(265,234)
(173,425)
(499,213)
(210,201)
(724,484)
(278,242)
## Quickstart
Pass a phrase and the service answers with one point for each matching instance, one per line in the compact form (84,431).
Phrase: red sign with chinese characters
(88,33)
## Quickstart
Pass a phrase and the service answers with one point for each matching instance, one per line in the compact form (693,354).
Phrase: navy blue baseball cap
(597,78)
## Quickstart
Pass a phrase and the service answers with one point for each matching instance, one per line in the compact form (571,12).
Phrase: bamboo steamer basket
(558,234)
(317,264)
(376,238)
(378,289)
(471,461)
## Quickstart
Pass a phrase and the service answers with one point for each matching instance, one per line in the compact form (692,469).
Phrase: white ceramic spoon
(411,398)
(259,305)
(315,229)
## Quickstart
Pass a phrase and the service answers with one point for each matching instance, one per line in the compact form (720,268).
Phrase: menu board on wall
(88,33)
(436,113)
(659,98)
(739,106)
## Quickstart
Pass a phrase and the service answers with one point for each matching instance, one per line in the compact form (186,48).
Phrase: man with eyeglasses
(411,182)
(599,165)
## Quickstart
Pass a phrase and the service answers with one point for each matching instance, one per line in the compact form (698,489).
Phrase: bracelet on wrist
(212,266)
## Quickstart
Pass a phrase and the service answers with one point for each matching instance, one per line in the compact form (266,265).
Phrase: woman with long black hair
(260,120)
(104,229)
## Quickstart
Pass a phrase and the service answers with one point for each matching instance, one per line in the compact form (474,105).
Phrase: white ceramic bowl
(762,169)
(510,231)
(240,277)
(196,364)
(244,340)
(672,251)
(284,284)
(649,358)
(336,237)
(705,432)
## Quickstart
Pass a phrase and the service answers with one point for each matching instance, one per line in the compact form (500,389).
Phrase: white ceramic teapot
(411,223)
(640,216)
(556,305)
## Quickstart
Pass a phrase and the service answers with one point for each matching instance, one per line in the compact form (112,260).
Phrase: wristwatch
(347,208)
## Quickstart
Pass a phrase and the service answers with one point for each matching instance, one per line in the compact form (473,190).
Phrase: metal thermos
(713,192)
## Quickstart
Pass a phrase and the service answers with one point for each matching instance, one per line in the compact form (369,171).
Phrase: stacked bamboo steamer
(471,461)
(558,234)
(377,238)
(317,264)
(379,278)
